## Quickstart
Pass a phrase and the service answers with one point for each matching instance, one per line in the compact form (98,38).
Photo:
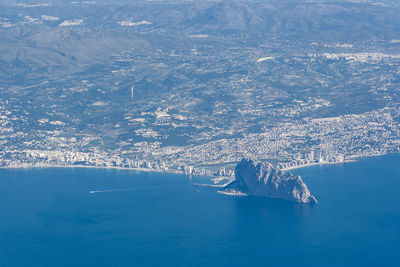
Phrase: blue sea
(48,217)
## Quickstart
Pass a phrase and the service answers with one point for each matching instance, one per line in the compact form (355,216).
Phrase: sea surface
(49,217)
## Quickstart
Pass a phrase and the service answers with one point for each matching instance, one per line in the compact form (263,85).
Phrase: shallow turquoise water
(49,218)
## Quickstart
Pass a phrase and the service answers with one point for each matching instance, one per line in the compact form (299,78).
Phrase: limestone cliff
(265,180)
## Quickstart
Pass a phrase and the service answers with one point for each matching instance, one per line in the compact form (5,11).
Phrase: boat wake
(109,190)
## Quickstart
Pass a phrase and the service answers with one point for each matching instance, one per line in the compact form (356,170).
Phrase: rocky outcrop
(265,180)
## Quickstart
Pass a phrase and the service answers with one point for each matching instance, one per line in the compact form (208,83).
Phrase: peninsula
(263,179)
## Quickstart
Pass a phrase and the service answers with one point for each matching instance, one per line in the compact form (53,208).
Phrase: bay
(108,217)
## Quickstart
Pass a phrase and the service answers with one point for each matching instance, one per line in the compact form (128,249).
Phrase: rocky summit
(263,179)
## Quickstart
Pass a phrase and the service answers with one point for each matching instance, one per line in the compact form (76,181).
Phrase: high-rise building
(311,156)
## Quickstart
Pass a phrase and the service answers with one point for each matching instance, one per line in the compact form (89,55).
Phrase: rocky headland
(263,179)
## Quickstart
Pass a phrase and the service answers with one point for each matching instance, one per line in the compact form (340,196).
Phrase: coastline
(42,165)
(354,158)
(317,163)
(38,166)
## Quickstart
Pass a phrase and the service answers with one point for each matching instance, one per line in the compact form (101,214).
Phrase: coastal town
(176,98)
(289,145)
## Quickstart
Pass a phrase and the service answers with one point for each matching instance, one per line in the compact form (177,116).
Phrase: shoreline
(317,163)
(36,166)
(351,159)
